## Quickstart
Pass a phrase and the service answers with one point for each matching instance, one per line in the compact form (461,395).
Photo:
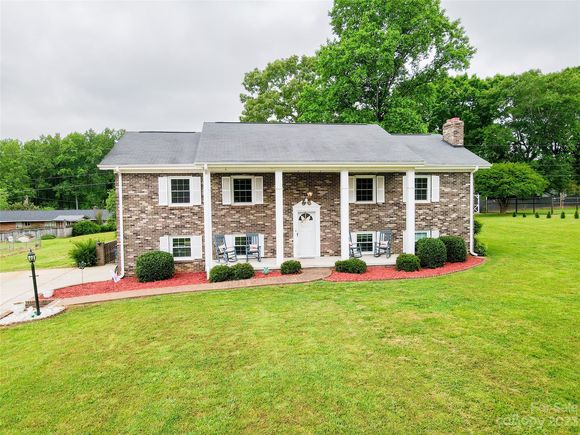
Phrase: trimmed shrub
(84,251)
(408,262)
(290,267)
(47,237)
(514,214)
(477,226)
(220,273)
(576,215)
(562,215)
(549,215)
(154,266)
(243,271)
(479,247)
(109,226)
(352,265)
(524,215)
(82,228)
(537,214)
(431,252)
(455,247)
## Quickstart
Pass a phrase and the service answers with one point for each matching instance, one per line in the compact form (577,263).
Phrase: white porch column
(207,222)
(344,216)
(471,245)
(279,187)
(409,242)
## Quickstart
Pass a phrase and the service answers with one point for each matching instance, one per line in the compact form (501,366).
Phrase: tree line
(398,64)
(55,171)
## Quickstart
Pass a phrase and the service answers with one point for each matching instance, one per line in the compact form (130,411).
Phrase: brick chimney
(453,132)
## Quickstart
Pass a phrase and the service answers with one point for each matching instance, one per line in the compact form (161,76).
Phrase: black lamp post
(32,258)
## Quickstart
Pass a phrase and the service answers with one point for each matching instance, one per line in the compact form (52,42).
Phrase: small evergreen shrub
(84,251)
(549,215)
(479,247)
(455,247)
(537,214)
(290,267)
(243,271)
(431,252)
(109,226)
(82,228)
(154,266)
(352,265)
(47,237)
(576,215)
(514,214)
(220,273)
(408,262)
(524,215)
(562,215)
(477,226)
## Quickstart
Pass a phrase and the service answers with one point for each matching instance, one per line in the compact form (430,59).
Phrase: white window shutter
(195,186)
(380,189)
(164,244)
(261,241)
(226,190)
(351,189)
(258,190)
(435,188)
(163,191)
(196,248)
(435,234)
(404,189)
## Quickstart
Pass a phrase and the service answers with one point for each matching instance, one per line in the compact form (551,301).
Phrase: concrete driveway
(17,286)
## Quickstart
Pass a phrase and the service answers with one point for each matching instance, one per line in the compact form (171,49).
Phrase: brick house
(176,190)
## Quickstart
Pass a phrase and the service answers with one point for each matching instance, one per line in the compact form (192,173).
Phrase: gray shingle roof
(46,215)
(154,148)
(248,143)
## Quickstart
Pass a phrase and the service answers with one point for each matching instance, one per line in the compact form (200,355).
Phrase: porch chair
(384,243)
(353,248)
(222,251)
(253,248)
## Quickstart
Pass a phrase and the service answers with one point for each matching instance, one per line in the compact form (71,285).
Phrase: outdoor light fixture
(307,199)
(32,258)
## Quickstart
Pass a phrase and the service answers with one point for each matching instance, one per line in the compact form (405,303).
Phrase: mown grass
(492,349)
(50,253)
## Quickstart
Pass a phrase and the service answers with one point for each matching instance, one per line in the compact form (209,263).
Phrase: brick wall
(145,221)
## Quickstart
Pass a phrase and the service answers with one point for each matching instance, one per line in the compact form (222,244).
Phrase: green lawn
(492,349)
(51,253)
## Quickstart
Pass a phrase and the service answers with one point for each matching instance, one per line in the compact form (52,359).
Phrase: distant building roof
(50,215)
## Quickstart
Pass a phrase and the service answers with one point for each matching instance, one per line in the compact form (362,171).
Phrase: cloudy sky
(170,65)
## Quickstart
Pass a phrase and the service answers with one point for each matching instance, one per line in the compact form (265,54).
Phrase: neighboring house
(177,190)
(20,221)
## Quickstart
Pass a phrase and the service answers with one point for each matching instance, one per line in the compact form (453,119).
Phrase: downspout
(121,231)
(471,237)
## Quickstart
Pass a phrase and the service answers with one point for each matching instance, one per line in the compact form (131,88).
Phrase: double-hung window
(181,247)
(422,188)
(421,235)
(365,189)
(240,243)
(365,241)
(242,190)
(180,190)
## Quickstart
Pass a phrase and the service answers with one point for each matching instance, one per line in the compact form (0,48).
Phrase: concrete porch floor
(308,263)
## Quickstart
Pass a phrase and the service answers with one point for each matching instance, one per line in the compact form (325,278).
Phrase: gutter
(471,192)
(121,229)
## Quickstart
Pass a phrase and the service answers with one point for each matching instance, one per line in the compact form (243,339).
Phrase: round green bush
(514,214)
(290,267)
(431,252)
(154,266)
(47,237)
(109,226)
(85,227)
(562,215)
(84,251)
(576,215)
(352,265)
(220,273)
(537,214)
(524,215)
(408,262)
(243,271)
(477,226)
(479,247)
(549,215)
(455,247)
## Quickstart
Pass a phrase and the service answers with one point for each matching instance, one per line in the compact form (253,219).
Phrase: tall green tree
(13,172)
(272,94)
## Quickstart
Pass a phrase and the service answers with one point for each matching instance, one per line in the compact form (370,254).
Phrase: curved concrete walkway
(307,275)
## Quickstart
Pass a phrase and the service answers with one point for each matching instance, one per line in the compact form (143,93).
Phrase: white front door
(305,234)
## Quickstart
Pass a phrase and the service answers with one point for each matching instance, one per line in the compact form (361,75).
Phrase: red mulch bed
(379,273)
(131,283)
